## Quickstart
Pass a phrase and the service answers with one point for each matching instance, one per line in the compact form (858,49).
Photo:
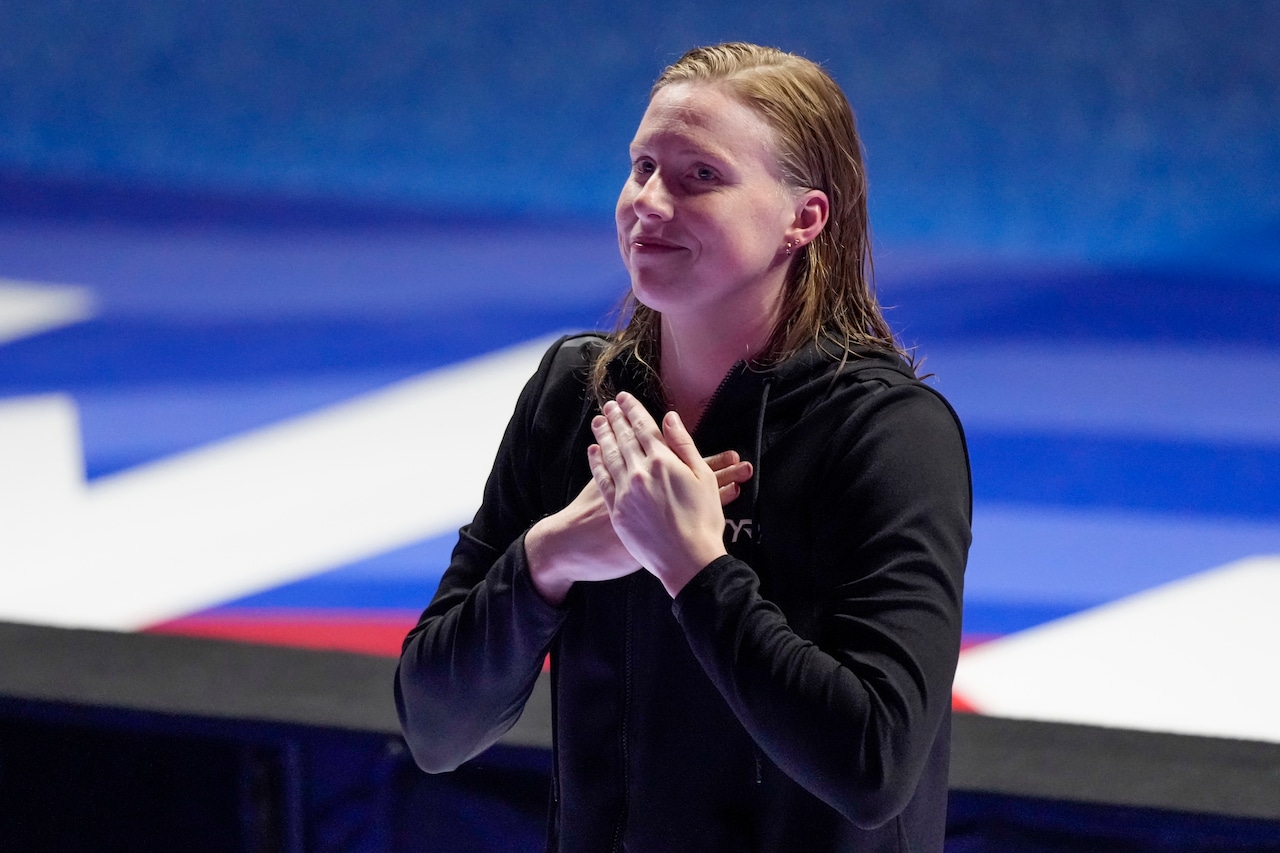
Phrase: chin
(648,295)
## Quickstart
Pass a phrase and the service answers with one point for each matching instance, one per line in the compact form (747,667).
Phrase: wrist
(545,570)
(676,579)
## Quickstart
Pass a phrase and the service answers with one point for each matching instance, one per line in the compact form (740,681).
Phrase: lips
(646,243)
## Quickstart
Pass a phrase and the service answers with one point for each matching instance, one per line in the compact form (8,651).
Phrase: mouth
(653,244)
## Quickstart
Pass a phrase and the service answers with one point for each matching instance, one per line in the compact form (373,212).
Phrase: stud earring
(788,248)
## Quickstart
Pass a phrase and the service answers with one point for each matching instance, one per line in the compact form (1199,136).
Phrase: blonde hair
(829,293)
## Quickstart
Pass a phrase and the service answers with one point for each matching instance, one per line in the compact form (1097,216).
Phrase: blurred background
(271,275)
(1084,132)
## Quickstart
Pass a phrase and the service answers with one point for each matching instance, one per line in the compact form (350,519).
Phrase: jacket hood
(794,385)
(803,378)
(756,403)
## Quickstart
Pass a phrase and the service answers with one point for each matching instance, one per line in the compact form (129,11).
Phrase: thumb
(681,443)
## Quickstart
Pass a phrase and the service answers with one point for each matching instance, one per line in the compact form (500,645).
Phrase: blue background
(280,205)
(1094,129)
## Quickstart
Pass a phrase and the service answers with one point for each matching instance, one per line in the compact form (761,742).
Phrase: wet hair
(829,294)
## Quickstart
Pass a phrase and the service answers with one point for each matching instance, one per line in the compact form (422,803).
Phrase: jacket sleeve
(471,662)
(852,713)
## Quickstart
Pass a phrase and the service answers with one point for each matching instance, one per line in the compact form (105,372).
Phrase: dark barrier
(125,742)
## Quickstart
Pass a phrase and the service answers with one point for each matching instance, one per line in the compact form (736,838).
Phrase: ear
(812,208)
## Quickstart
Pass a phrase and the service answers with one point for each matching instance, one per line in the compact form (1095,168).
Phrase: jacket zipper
(626,716)
(715,395)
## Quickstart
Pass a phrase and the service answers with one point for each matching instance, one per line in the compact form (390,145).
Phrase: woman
(752,651)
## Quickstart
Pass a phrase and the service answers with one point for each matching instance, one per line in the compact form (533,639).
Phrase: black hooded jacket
(795,696)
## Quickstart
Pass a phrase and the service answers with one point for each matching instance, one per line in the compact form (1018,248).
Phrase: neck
(696,359)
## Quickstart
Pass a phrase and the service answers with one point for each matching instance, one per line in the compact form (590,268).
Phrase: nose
(652,199)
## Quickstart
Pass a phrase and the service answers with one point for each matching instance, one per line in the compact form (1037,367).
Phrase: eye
(642,166)
(704,173)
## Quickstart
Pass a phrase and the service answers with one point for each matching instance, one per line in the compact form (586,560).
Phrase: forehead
(707,118)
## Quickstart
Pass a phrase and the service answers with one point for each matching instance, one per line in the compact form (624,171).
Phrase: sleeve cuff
(522,585)
(705,583)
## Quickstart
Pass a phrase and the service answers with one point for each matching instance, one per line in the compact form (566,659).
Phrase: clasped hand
(653,502)
(663,499)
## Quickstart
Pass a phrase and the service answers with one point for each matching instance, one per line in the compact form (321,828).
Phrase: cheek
(624,217)
(624,212)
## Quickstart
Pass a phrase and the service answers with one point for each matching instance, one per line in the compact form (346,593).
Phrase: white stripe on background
(249,513)
(28,308)
(1196,656)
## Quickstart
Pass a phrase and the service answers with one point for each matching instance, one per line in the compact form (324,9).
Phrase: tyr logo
(736,528)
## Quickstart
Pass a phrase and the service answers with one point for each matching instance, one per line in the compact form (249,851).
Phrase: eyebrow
(690,151)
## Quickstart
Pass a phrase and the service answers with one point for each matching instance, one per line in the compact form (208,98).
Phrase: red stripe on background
(372,632)
(968,641)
